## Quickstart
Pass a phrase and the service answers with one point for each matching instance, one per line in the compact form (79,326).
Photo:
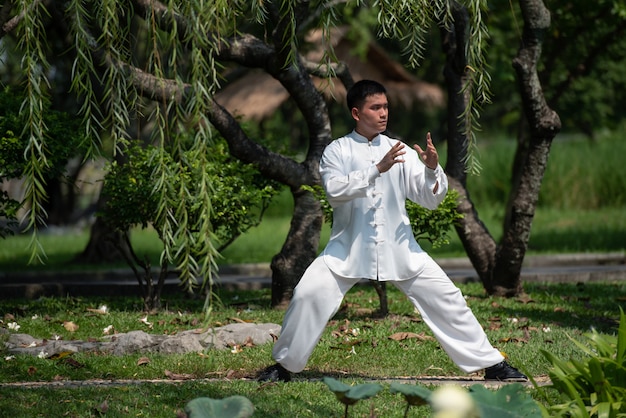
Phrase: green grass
(354,348)
(554,231)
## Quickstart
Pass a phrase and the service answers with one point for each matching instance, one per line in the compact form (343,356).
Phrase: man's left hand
(429,156)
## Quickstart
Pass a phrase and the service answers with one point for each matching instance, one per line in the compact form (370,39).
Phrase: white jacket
(371,236)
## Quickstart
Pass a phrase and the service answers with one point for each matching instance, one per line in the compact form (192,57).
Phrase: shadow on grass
(582,306)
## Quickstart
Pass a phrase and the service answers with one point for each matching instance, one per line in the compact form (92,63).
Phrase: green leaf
(232,407)
(415,395)
(349,395)
(509,401)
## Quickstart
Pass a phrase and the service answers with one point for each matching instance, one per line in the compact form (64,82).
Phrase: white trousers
(319,294)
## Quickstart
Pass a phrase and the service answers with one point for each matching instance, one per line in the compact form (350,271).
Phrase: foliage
(8,211)
(239,196)
(508,401)
(447,401)
(349,395)
(594,386)
(435,225)
(582,70)
(162,62)
(63,141)
(231,407)
(431,225)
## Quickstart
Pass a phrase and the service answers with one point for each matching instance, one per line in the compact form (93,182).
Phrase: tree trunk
(299,249)
(103,244)
(544,124)
(499,266)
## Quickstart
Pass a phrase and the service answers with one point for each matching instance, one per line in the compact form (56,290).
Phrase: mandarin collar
(361,139)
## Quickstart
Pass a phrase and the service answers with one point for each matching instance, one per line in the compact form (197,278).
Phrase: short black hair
(361,90)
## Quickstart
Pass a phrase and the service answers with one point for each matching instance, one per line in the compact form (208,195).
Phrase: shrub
(596,385)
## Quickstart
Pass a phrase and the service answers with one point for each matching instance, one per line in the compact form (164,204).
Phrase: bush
(596,385)
(237,200)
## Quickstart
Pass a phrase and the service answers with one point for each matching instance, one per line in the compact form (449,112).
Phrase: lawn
(358,346)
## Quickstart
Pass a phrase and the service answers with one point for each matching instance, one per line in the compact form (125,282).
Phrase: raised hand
(393,156)
(429,156)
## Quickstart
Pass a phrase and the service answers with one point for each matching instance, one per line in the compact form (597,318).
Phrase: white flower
(9,358)
(145,321)
(514,320)
(453,401)
(103,309)
(13,325)
(56,337)
(43,354)
(34,316)
(33,344)
(546,329)
(107,330)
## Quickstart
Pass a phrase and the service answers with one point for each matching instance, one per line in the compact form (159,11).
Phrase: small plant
(349,395)
(231,407)
(509,401)
(596,385)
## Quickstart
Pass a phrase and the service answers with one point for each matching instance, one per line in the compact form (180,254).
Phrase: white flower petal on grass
(9,358)
(107,330)
(43,354)
(13,326)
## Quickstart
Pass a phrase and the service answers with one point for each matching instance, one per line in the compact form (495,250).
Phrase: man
(368,177)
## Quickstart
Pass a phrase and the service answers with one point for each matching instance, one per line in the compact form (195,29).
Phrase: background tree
(164,61)
(239,195)
(158,65)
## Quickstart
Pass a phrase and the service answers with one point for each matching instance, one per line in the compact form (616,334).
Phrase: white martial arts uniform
(371,238)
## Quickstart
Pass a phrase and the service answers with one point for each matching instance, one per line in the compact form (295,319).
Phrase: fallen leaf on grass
(177,376)
(70,326)
(102,310)
(400,336)
(513,340)
(525,299)
(60,355)
(143,361)
(241,321)
(145,321)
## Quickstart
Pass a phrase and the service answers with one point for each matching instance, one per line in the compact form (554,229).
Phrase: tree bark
(543,124)
(499,265)
(299,249)
(474,235)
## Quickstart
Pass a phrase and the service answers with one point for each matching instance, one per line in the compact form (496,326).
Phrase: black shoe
(275,373)
(504,372)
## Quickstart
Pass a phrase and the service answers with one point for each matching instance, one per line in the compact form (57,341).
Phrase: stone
(239,334)
(141,342)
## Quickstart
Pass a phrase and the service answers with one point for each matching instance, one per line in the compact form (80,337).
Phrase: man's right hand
(392,157)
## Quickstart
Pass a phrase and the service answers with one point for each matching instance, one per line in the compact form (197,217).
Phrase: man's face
(371,118)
